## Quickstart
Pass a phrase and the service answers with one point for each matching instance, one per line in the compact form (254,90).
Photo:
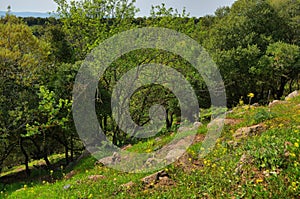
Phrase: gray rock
(292,95)
(152,161)
(255,105)
(66,187)
(275,102)
(110,160)
(197,125)
(175,154)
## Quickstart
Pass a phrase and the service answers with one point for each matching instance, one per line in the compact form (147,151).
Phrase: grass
(262,166)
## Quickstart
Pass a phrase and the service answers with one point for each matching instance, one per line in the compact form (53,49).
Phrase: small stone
(197,125)
(70,175)
(96,177)
(66,187)
(126,147)
(255,105)
(152,161)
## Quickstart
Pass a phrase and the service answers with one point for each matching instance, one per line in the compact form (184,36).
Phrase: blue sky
(194,7)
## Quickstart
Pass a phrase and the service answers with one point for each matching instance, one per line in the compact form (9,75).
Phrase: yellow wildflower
(250,95)
(293,155)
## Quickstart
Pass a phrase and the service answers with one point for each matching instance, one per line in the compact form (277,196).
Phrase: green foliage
(52,113)
(256,46)
(262,115)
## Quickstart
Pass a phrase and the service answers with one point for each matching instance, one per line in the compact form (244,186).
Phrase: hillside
(257,156)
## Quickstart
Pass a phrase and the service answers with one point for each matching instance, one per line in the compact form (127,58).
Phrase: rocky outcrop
(249,131)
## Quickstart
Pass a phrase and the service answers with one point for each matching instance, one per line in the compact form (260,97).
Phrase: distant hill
(28,14)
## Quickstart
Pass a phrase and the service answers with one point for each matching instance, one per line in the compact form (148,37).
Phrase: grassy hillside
(260,163)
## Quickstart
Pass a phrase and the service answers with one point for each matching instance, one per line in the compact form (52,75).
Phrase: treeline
(254,43)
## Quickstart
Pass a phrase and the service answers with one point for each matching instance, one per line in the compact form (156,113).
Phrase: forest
(255,44)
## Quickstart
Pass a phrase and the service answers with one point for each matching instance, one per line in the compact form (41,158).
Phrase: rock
(128,185)
(292,95)
(245,159)
(255,105)
(249,131)
(195,126)
(232,121)
(70,175)
(154,178)
(110,160)
(96,177)
(216,124)
(126,147)
(66,187)
(275,102)
(152,161)
(183,129)
(175,154)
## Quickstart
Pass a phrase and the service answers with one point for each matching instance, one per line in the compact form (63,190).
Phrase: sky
(196,8)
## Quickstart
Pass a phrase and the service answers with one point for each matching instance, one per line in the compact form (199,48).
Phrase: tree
(23,60)
(87,23)
(280,65)
(238,41)
(52,117)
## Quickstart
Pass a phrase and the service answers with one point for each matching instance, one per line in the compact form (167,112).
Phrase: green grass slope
(261,165)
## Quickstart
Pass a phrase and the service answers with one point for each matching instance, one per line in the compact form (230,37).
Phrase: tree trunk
(72,148)
(281,88)
(67,154)
(47,160)
(26,158)
(169,120)
(291,85)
